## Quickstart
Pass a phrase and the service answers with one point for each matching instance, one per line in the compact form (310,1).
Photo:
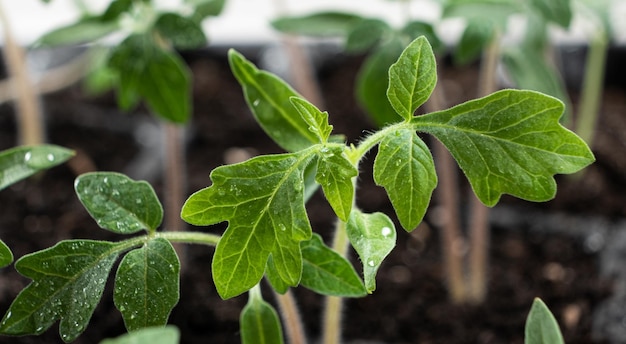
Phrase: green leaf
(6,256)
(323,24)
(334,174)
(115,10)
(541,326)
(269,100)
(206,8)
(147,285)
(475,38)
(509,142)
(259,322)
(373,81)
(556,11)
(412,78)
(327,272)
(22,162)
(366,34)
(405,168)
(373,236)
(316,119)
(262,199)
(494,12)
(416,29)
(160,77)
(183,33)
(272,275)
(84,31)
(68,280)
(153,335)
(118,203)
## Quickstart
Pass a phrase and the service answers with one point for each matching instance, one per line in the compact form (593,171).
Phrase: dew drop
(50,157)
(106,180)
(386,231)
(398,162)
(138,201)
(282,227)
(256,102)
(115,193)
(313,129)
(28,156)
(370,263)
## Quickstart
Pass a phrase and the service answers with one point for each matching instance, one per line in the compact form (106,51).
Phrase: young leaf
(405,168)
(496,12)
(183,33)
(269,100)
(557,11)
(318,24)
(68,280)
(316,119)
(373,236)
(541,326)
(157,75)
(262,199)
(22,162)
(153,335)
(509,142)
(416,29)
(334,174)
(327,272)
(6,256)
(118,203)
(412,78)
(475,38)
(259,323)
(86,30)
(366,34)
(373,81)
(206,8)
(147,285)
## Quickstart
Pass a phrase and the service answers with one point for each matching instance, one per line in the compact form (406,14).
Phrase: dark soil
(411,303)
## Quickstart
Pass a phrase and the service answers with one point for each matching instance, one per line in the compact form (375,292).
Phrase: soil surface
(411,303)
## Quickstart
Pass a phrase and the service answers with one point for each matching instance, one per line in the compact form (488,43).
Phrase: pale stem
(29,117)
(189,237)
(448,195)
(479,221)
(294,327)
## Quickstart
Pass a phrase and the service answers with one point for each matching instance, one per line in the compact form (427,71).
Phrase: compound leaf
(118,203)
(259,322)
(147,285)
(327,272)
(152,335)
(405,168)
(334,174)
(509,142)
(6,256)
(412,78)
(541,326)
(263,201)
(269,100)
(22,162)
(68,280)
(373,236)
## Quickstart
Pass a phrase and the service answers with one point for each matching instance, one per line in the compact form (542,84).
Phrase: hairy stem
(447,193)
(189,237)
(294,327)
(479,221)
(333,304)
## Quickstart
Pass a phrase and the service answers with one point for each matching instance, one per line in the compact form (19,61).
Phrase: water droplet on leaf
(50,157)
(386,231)
(28,156)
(370,263)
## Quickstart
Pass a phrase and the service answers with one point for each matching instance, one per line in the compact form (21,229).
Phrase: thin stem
(447,193)
(334,305)
(479,222)
(189,237)
(29,117)
(294,327)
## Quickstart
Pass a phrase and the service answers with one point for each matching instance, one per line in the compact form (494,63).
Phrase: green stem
(334,304)
(190,237)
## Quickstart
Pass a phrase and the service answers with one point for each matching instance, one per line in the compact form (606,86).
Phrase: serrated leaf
(373,236)
(366,34)
(153,335)
(158,76)
(541,326)
(556,11)
(412,78)
(327,272)
(68,280)
(316,119)
(405,168)
(22,162)
(473,41)
(324,24)
(262,199)
(334,174)
(373,81)
(118,203)
(86,30)
(259,322)
(183,33)
(6,256)
(269,100)
(147,285)
(509,142)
